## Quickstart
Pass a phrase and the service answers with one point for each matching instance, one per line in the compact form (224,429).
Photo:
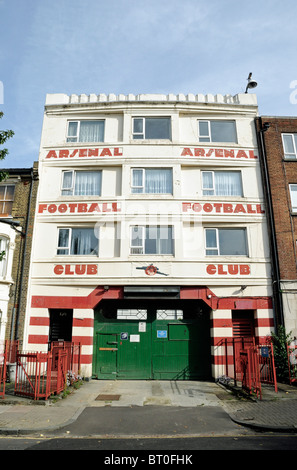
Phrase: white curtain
(226,183)
(91,131)
(137,181)
(3,261)
(84,242)
(88,183)
(67,183)
(208,187)
(158,181)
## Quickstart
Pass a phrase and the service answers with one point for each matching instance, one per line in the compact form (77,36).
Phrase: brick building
(17,210)
(277,138)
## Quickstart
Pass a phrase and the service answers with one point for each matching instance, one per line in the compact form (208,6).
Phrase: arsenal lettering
(218,153)
(82,153)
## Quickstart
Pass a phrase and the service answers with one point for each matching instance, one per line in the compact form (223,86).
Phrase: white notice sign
(142,326)
(134,338)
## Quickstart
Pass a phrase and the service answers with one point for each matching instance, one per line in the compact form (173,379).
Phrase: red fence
(73,351)
(8,351)
(249,364)
(40,375)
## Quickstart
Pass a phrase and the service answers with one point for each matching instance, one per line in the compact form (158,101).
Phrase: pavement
(275,412)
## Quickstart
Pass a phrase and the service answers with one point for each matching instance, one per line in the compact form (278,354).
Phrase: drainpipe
(274,256)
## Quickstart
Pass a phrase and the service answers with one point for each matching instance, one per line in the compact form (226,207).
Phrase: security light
(251,83)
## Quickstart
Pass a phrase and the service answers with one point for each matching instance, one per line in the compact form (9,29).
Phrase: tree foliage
(280,339)
(4,136)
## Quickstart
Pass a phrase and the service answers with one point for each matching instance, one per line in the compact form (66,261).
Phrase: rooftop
(239,99)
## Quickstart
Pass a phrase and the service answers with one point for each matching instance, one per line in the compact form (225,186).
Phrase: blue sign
(161,333)
(124,335)
(264,351)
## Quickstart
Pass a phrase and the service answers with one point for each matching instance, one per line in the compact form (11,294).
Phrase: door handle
(108,349)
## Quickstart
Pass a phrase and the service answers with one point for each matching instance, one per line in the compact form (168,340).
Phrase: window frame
(4,261)
(289,156)
(293,207)
(73,182)
(201,138)
(140,247)
(70,231)
(144,170)
(77,136)
(213,183)
(4,200)
(143,133)
(143,239)
(142,178)
(218,248)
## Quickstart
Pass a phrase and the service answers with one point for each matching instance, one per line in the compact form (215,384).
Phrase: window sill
(151,195)
(145,255)
(151,141)
(220,144)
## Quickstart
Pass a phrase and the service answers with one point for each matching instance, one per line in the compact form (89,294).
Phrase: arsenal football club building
(150,239)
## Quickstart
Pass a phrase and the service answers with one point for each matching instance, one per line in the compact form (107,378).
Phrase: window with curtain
(217,131)
(290,145)
(6,198)
(152,128)
(78,241)
(151,240)
(221,183)
(3,255)
(85,131)
(81,183)
(226,241)
(152,180)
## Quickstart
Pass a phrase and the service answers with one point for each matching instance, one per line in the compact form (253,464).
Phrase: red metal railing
(40,375)
(250,371)
(249,364)
(232,348)
(8,351)
(73,354)
(266,364)
(2,370)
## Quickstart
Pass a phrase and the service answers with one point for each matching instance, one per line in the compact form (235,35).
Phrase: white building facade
(7,246)
(150,243)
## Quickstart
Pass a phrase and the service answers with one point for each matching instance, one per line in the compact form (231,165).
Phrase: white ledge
(239,99)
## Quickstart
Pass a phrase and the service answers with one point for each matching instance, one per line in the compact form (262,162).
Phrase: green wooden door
(152,348)
(106,354)
(181,350)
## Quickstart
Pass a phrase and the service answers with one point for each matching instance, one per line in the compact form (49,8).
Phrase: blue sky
(129,46)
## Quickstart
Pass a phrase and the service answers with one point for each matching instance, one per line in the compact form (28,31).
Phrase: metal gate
(35,377)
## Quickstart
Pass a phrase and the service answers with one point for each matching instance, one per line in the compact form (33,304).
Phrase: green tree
(280,339)
(4,136)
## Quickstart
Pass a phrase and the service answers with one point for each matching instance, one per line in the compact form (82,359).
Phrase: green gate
(141,343)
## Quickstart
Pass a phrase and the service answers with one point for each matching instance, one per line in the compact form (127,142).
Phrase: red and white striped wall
(37,332)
